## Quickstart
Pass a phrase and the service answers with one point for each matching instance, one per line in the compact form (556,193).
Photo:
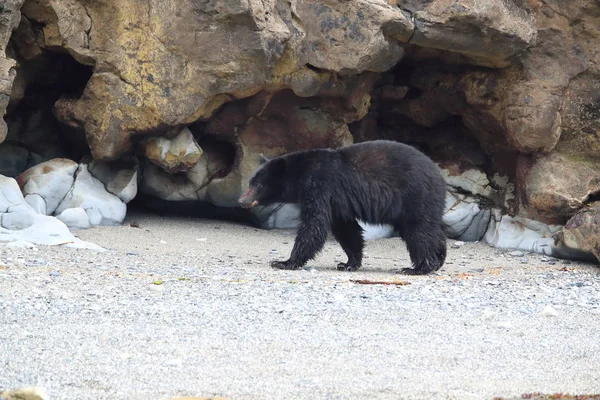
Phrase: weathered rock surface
(554,187)
(49,182)
(9,19)
(25,393)
(464,217)
(93,196)
(508,232)
(63,188)
(19,222)
(174,155)
(65,24)
(487,32)
(271,125)
(151,74)
(582,232)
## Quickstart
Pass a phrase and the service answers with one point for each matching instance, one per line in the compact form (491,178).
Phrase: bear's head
(267,184)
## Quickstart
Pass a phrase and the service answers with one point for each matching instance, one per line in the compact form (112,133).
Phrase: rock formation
(184,96)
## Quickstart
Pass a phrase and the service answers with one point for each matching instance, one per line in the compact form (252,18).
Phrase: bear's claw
(283,265)
(347,267)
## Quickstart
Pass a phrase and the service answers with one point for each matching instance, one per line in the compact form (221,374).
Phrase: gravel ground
(183,307)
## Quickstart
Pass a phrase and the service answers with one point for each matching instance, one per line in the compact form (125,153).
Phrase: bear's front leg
(311,236)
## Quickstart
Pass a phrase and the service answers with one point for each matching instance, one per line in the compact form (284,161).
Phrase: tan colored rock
(9,20)
(165,64)
(582,232)
(554,187)
(173,155)
(580,109)
(27,393)
(65,24)
(351,37)
(487,32)
(266,124)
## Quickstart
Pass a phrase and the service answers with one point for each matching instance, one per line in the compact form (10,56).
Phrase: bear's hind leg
(426,243)
(349,235)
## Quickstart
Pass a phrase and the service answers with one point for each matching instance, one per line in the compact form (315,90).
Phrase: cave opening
(35,134)
(421,103)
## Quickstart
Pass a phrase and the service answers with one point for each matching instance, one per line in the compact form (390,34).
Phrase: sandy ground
(190,307)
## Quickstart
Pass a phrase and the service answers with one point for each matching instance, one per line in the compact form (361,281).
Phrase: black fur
(378,182)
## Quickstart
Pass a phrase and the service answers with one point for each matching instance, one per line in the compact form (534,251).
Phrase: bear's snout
(247,199)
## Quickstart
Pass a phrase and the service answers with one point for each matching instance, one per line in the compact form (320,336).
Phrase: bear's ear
(263,159)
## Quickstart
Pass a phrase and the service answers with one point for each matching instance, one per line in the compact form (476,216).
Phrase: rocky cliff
(174,100)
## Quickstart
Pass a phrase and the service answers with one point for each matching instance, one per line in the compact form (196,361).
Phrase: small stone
(504,324)
(201,239)
(458,244)
(516,253)
(163,242)
(27,393)
(524,260)
(274,251)
(21,244)
(55,274)
(549,311)
(487,314)
(175,362)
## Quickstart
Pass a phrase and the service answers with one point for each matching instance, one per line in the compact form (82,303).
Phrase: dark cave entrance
(421,102)
(34,133)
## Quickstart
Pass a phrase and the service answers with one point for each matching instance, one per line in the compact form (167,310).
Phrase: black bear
(378,182)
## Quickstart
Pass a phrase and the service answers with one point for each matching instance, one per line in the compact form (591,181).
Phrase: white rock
(504,324)
(17,221)
(521,233)
(21,244)
(37,202)
(472,180)
(75,218)
(279,216)
(46,230)
(463,219)
(487,314)
(11,198)
(20,223)
(175,362)
(102,207)
(117,179)
(51,180)
(549,311)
